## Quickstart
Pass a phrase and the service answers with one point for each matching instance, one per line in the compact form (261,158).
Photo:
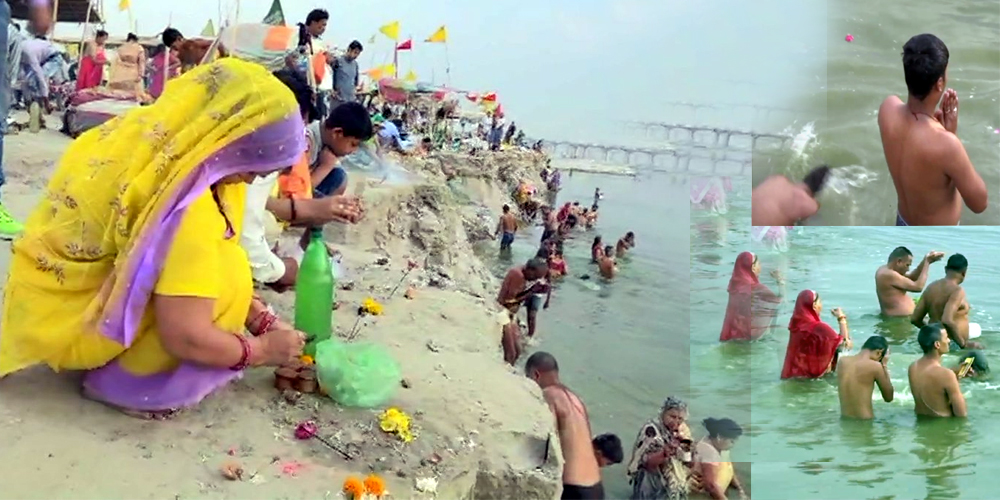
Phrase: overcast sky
(562,68)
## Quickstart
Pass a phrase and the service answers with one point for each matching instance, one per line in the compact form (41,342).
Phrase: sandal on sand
(158,415)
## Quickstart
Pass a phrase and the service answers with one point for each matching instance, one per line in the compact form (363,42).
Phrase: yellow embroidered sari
(136,207)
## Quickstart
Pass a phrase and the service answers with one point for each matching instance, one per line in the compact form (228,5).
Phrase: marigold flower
(375,485)
(307,359)
(354,488)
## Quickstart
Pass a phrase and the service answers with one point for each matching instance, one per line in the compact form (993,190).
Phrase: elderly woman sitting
(662,455)
(130,268)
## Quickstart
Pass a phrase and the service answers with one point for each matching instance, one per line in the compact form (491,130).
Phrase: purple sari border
(267,149)
(180,388)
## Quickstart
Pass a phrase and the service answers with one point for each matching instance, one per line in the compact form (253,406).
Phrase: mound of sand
(481,426)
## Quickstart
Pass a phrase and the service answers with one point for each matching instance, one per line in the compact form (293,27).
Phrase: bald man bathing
(892,281)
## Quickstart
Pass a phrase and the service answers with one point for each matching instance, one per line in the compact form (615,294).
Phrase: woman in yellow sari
(130,268)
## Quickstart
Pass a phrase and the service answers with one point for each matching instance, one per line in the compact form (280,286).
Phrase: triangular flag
(439,36)
(275,16)
(390,30)
(124,5)
(411,77)
(407,45)
(208,30)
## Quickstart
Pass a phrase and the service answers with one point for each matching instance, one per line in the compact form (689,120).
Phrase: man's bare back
(508,223)
(893,298)
(934,303)
(856,377)
(581,467)
(929,166)
(607,267)
(935,390)
(780,202)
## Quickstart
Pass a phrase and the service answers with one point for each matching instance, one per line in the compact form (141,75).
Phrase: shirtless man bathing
(581,472)
(944,301)
(780,202)
(935,389)
(508,226)
(522,285)
(858,374)
(892,281)
(928,164)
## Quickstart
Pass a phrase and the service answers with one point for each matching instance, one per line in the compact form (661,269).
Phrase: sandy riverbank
(482,426)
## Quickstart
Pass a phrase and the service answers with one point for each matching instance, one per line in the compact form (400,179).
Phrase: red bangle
(245,358)
(256,320)
(266,324)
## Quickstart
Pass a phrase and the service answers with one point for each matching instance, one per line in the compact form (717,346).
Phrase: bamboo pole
(55,17)
(83,39)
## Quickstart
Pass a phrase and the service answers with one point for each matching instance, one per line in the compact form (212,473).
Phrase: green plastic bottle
(314,293)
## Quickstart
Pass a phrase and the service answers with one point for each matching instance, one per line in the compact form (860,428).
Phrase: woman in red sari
(812,344)
(91,72)
(752,306)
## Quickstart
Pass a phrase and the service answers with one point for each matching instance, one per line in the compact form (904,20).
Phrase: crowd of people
(815,349)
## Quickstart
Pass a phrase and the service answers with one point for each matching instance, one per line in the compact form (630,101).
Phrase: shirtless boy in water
(581,473)
(935,389)
(928,164)
(606,263)
(520,285)
(508,226)
(944,301)
(858,374)
(892,281)
(780,202)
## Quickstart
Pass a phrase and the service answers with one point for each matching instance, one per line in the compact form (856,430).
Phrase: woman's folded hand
(281,346)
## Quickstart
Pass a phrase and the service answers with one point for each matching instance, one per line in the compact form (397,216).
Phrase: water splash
(843,179)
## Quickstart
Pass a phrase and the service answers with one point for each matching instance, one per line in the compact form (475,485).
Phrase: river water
(799,446)
(839,123)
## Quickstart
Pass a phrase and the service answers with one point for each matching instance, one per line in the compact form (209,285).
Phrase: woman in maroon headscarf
(812,344)
(752,306)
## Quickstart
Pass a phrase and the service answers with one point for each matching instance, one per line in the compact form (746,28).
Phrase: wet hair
(925,60)
(352,119)
(594,207)
(928,335)
(876,343)
(300,88)
(957,263)
(899,253)
(816,179)
(101,34)
(722,428)
(506,208)
(170,36)
(543,253)
(979,363)
(630,234)
(609,250)
(576,203)
(537,264)
(597,241)
(673,403)
(131,38)
(542,362)
(610,447)
(317,15)
(355,45)
(559,251)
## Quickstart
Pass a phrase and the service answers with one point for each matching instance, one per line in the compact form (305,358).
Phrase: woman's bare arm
(188,333)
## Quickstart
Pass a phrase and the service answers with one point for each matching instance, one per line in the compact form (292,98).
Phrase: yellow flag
(124,5)
(439,36)
(411,77)
(391,30)
(388,70)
